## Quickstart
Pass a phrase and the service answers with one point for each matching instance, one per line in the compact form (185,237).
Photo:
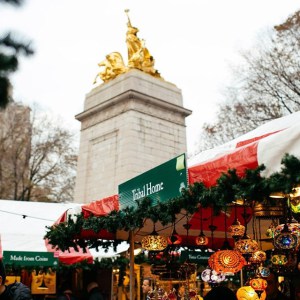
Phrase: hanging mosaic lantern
(284,263)
(286,239)
(258,257)
(175,238)
(154,242)
(293,227)
(201,239)
(295,205)
(248,293)
(227,261)
(236,230)
(246,245)
(295,200)
(258,284)
(212,277)
(270,233)
(279,259)
(263,271)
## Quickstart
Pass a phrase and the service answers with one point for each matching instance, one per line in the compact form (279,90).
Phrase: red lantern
(175,238)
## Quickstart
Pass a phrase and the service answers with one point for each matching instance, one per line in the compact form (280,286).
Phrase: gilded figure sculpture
(111,67)
(139,58)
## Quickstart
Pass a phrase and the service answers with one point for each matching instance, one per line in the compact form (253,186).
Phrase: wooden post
(131,259)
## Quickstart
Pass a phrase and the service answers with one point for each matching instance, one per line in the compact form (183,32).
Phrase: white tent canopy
(23,225)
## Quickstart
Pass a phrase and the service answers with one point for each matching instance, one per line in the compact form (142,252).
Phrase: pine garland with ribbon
(252,187)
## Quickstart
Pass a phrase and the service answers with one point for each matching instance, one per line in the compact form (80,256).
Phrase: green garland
(252,188)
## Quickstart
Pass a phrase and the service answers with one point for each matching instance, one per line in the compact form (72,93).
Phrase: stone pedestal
(129,125)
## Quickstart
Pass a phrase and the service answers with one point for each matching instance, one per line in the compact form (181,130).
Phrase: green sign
(197,257)
(162,183)
(25,258)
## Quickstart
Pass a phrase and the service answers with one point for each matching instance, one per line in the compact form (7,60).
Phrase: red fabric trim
(101,207)
(240,159)
(249,141)
(62,218)
(71,257)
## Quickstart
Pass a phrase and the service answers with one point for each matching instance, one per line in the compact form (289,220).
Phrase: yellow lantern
(295,206)
(248,293)
(154,242)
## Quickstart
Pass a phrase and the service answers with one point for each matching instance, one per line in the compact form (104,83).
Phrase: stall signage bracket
(161,183)
(26,258)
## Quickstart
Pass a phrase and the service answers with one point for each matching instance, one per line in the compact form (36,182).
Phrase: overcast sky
(193,43)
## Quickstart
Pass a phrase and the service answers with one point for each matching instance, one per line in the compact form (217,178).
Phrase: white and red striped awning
(266,145)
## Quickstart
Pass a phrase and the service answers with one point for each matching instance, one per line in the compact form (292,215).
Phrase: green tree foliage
(10,50)
(266,86)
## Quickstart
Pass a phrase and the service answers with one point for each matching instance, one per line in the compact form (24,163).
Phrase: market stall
(218,179)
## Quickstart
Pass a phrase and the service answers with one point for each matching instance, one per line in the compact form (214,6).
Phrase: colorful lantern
(295,205)
(175,238)
(248,293)
(279,259)
(292,227)
(236,230)
(295,200)
(258,256)
(226,261)
(263,271)
(286,239)
(201,239)
(270,233)
(246,245)
(154,242)
(258,284)
(212,277)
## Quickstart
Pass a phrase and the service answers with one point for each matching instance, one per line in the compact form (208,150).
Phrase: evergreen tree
(10,49)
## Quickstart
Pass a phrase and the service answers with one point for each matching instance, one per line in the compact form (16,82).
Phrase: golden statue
(112,66)
(139,58)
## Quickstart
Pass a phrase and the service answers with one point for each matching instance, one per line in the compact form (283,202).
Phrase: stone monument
(131,123)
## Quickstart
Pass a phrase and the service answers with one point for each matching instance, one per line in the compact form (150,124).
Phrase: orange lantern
(259,285)
(236,230)
(201,239)
(227,261)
